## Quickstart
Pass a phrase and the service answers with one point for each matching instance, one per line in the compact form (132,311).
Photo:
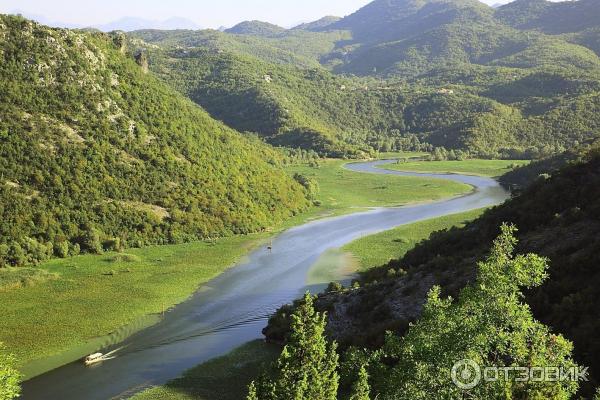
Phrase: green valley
(186,179)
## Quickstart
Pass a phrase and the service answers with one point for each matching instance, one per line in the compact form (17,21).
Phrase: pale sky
(206,13)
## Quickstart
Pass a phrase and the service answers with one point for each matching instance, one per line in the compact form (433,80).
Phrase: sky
(206,13)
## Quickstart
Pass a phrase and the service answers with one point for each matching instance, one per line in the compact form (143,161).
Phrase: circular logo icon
(466,374)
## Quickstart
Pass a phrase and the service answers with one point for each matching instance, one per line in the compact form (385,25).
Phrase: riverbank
(376,250)
(92,301)
(224,378)
(366,252)
(489,168)
(227,377)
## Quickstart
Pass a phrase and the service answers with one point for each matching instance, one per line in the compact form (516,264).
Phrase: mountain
(98,154)
(128,24)
(550,17)
(256,28)
(397,74)
(318,25)
(410,37)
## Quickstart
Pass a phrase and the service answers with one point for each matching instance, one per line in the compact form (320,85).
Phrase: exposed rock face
(142,59)
(360,317)
(120,41)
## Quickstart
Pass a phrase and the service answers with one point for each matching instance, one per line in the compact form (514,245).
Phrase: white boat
(94,358)
(99,357)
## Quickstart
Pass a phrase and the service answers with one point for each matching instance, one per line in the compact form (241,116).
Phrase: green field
(224,378)
(387,155)
(376,250)
(492,168)
(88,297)
(91,296)
(342,190)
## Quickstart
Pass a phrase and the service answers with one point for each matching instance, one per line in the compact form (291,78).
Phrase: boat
(94,359)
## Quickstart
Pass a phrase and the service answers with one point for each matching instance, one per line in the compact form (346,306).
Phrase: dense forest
(399,75)
(98,155)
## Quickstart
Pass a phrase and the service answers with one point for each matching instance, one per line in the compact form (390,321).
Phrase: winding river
(233,308)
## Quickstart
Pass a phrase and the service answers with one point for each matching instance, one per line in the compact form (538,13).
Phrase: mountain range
(512,81)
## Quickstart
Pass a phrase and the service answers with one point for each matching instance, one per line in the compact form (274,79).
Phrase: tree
(92,241)
(311,186)
(488,325)
(252,395)
(9,376)
(360,390)
(307,366)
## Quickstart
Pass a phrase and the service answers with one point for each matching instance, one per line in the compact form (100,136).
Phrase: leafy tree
(311,186)
(307,366)
(92,241)
(489,325)
(9,376)
(252,394)
(360,390)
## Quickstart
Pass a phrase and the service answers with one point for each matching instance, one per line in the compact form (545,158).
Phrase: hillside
(256,28)
(557,218)
(411,37)
(395,75)
(319,24)
(549,17)
(97,154)
(525,115)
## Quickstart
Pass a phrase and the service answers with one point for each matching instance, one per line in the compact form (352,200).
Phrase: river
(233,308)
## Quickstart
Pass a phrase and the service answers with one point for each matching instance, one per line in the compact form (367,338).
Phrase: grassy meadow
(376,250)
(491,168)
(342,190)
(71,301)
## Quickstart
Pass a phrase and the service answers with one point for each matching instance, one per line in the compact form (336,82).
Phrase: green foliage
(256,28)
(94,153)
(307,366)
(311,185)
(558,218)
(551,18)
(487,324)
(454,74)
(360,390)
(9,376)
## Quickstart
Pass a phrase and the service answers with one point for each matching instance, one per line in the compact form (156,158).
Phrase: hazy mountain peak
(319,24)
(256,28)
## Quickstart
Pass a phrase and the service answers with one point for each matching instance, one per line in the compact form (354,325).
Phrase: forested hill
(96,153)
(550,17)
(399,75)
(411,37)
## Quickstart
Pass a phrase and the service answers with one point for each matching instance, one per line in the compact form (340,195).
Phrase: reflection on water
(233,308)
